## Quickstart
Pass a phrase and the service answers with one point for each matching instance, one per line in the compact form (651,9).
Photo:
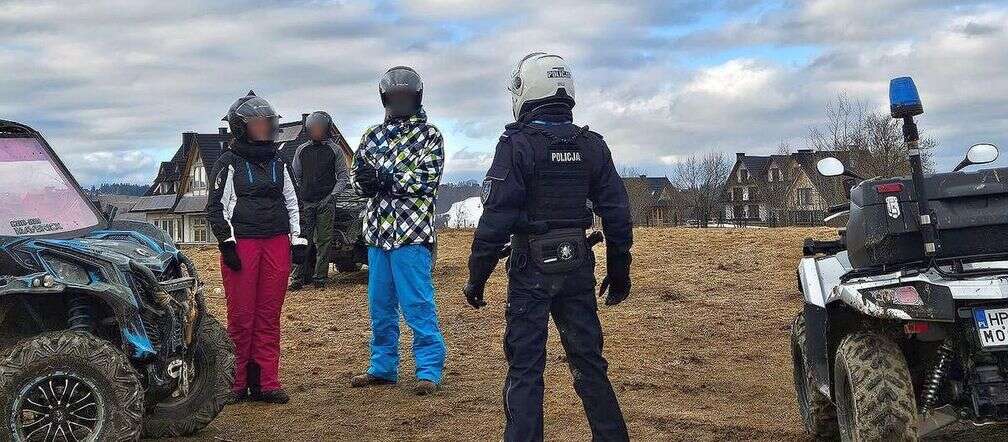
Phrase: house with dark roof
(781,189)
(653,201)
(176,201)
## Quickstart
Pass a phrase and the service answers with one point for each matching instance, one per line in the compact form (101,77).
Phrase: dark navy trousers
(570,298)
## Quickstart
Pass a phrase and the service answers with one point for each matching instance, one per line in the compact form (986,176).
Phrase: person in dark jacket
(252,208)
(535,195)
(320,170)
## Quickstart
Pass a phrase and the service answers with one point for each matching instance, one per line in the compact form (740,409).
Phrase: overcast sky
(113,84)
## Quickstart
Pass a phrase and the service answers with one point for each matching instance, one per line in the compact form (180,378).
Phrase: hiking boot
(235,397)
(278,396)
(366,380)
(424,387)
(295,286)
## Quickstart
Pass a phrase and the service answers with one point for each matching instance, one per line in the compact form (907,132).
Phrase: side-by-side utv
(104,334)
(905,323)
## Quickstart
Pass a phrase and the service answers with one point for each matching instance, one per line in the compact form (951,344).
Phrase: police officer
(544,171)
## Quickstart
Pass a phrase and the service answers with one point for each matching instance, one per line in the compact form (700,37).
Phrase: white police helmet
(540,77)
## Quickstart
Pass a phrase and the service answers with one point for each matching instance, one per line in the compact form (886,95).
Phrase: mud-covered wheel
(70,386)
(874,392)
(817,412)
(211,376)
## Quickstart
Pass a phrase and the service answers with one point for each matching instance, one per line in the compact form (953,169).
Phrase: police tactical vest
(560,179)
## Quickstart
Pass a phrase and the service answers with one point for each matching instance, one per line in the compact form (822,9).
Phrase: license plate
(992,325)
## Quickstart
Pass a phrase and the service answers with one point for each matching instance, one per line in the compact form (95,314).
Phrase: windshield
(36,195)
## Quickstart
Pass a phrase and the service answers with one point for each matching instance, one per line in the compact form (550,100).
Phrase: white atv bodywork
(820,280)
(821,285)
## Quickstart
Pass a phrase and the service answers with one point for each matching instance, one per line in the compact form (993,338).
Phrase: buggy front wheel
(70,385)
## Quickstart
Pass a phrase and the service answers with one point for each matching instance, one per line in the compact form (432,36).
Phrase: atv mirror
(978,154)
(904,101)
(830,166)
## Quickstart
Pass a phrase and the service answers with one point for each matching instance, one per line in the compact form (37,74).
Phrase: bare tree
(872,139)
(702,180)
(630,171)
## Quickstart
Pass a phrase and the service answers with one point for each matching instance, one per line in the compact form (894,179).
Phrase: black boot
(252,373)
(278,396)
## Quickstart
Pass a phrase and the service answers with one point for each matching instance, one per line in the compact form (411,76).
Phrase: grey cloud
(124,77)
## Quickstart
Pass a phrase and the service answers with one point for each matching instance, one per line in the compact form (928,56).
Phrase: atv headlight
(68,271)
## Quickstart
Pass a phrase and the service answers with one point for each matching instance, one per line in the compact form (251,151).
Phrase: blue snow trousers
(401,279)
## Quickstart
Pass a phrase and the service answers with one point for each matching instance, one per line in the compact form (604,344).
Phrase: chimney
(739,155)
(223,132)
(188,137)
(304,117)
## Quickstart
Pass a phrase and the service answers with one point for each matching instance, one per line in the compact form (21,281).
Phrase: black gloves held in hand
(616,284)
(371,181)
(299,252)
(474,294)
(367,178)
(230,255)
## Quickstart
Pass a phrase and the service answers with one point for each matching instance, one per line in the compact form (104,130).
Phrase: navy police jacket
(511,179)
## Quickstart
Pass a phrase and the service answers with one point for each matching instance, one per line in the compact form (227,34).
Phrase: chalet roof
(191,204)
(210,147)
(154,203)
(124,203)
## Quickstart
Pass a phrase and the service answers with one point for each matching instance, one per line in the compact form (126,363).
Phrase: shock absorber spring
(933,380)
(80,316)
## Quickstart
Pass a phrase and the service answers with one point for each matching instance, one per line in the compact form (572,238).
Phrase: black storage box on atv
(970,208)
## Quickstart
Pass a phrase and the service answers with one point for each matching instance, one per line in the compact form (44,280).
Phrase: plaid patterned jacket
(413,151)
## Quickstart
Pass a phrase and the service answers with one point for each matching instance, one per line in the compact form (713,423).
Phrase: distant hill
(463,214)
(129,189)
(451,193)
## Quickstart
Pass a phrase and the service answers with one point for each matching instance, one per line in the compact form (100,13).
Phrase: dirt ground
(699,351)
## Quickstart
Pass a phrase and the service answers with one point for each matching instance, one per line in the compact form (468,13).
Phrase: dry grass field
(698,352)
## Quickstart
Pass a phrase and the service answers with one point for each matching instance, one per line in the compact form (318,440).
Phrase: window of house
(199,229)
(745,194)
(173,226)
(743,174)
(805,196)
(775,174)
(197,179)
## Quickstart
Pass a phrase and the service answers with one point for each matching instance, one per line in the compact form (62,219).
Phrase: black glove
(385,180)
(474,294)
(616,284)
(298,253)
(367,178)
(230,255)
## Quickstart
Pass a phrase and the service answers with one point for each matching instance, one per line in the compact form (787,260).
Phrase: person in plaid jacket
(398,167)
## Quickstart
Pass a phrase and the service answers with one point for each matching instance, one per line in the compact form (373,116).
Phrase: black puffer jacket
(252,195)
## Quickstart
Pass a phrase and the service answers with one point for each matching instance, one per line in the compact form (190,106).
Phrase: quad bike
(104,334)
(349,251)
(905,321)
